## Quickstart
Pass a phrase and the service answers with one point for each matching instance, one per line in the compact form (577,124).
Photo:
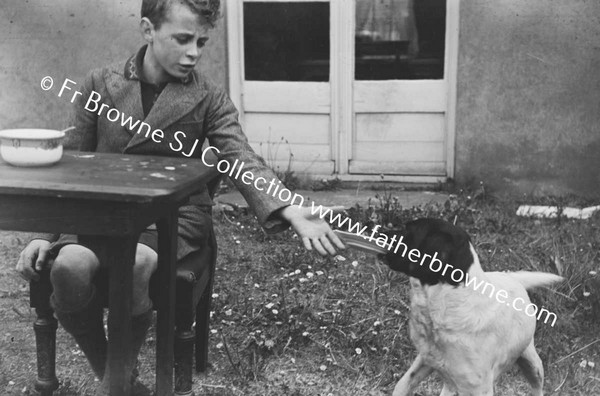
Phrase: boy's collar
(134,68)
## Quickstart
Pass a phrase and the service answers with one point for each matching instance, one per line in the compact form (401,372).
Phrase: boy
(160,86)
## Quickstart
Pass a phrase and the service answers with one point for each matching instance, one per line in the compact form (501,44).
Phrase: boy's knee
(71,275)
(74,265)
(146,261)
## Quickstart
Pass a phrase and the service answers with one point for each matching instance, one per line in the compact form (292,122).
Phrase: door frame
(341,81)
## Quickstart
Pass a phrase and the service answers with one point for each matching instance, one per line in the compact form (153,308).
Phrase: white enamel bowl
(31,147)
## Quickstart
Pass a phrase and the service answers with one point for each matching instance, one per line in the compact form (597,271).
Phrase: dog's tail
(531,280)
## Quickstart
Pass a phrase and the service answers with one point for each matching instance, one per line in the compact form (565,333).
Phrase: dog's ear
(440,247)
(451,246)
(461,256)
(406,241)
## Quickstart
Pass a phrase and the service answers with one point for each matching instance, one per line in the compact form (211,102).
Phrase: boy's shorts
(194,228)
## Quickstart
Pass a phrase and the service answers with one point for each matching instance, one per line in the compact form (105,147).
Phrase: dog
(466,336)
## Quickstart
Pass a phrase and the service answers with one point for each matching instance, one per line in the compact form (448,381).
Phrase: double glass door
(360,87)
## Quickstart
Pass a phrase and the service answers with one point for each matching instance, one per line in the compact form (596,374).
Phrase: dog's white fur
(470,338)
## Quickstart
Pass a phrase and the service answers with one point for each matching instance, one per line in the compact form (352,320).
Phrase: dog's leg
(417,372)
(531,365)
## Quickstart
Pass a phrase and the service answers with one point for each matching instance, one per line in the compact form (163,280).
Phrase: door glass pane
(400,39)
(286,41)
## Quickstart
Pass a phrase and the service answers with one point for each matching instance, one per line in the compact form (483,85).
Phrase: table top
(109,177)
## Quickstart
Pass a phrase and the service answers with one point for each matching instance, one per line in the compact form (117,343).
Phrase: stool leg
(45,337)
(183,343)
(183,350)
(202,330)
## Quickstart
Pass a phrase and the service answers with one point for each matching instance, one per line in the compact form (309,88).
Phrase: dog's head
(422,243)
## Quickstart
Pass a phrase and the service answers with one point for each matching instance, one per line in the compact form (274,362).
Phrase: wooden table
(108,199)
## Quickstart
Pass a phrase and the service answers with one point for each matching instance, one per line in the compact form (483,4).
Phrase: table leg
(119,255)
(165,322)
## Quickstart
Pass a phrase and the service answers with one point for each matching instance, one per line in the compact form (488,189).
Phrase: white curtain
(387,20)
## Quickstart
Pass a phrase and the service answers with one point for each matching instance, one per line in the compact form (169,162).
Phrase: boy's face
(177,45)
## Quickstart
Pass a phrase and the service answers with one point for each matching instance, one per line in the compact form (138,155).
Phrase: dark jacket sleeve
(225,133)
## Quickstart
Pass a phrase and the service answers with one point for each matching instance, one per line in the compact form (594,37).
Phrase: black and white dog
(467,336)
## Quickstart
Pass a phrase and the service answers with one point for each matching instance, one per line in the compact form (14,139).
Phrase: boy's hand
(32,259)
(314,231)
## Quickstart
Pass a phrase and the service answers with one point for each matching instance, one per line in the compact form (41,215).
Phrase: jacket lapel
(127,98)
(123,86)
(174,102)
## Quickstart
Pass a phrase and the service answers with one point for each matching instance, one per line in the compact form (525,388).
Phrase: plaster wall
(66,39)
(528,106)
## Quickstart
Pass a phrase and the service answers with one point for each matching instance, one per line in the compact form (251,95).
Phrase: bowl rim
(34,134)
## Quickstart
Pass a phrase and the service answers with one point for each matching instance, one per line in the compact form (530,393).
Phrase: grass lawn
(287,322)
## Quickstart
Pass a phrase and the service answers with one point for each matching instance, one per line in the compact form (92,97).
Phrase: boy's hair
(156,10)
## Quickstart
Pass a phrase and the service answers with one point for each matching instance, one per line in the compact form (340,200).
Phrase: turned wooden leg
(45,338)
(202,330)
(203,312)
(184,338)
(184,346)
(45,333)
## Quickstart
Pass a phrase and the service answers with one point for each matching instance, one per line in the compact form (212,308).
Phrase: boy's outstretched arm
(312,230)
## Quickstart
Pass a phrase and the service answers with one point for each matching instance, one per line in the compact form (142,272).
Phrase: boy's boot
(87,327)
(139,327)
